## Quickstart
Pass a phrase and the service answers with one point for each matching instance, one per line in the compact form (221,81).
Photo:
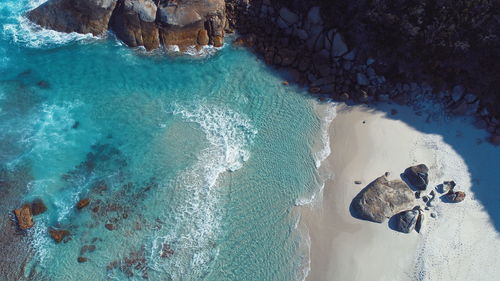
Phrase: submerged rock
(417,176)
(447,186)
(82,259)
(83,203)
(38,207)
(407,220)
(58,234)
(109,226)
(24,216)
(420,222)
(382,199)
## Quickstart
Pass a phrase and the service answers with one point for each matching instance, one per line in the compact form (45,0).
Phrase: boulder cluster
(383,199)
(146,23)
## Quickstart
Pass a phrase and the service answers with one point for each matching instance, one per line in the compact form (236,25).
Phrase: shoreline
(344,248)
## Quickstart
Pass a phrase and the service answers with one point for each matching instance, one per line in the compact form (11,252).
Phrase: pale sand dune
(461,244)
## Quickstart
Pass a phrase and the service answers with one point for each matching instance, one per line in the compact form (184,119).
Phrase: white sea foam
(204,51)
(327,113)
(198,206)
(28,34)
(50,125)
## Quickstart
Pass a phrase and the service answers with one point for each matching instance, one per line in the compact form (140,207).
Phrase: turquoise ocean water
(196,162)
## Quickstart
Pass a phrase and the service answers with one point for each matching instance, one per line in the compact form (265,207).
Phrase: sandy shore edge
(365,143)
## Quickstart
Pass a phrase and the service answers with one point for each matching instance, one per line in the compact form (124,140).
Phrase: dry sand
(365,143)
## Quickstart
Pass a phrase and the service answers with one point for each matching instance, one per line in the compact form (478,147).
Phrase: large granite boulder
(133,22)
(82,16)
(382,199)
(181,21)
(417,176)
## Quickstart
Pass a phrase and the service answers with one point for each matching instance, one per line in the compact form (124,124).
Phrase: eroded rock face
(82,16)
(382,199)
(133,21)
(145,23)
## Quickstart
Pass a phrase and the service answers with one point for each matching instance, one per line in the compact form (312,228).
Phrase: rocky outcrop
(417,176)
(382,199)
(145,23)
(133,21)
(82,16)
(24,216)
(192,22)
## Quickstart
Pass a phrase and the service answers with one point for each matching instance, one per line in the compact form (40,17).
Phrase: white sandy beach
(461,243)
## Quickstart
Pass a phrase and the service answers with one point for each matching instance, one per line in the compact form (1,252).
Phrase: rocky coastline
(301,36)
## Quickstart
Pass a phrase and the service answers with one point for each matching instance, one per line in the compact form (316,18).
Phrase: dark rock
(344,97)
(75,125)
(417,195)
(420,221)
(425,198)
(394,112)
(109,226)
(455,196)
(82,203)
(417,176)
(447,186)
(43,84)
(38,207)
(58,234)
(407,220)
(357,182)
(433,215)
(24,216)
(339,48)
(81,259)
(382,199)
(494,139)
(166,251)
